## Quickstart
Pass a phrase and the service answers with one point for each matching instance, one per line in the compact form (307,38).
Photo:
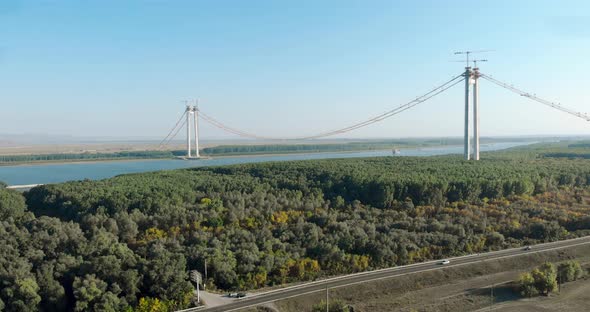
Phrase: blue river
(61,172)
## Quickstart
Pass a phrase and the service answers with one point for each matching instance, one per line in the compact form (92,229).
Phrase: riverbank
(95,170)
(76,161)
(207,156)
(74,154)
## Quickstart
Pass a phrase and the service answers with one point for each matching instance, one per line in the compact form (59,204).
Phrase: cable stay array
(535,98)
(418,100)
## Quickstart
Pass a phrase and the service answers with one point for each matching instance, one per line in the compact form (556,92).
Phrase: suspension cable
(418,100)
(172,130)
(536,98)
(175,133)
(220,125)
(393,112)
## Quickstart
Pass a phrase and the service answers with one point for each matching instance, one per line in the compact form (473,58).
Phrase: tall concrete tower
(471,78)
(189,112)
(196,124)
(468,81)
(192,122)
(475,113)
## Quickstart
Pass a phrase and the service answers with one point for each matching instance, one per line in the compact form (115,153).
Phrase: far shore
(227,155)
(204,157)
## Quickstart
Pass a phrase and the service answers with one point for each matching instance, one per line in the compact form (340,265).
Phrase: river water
(55,173)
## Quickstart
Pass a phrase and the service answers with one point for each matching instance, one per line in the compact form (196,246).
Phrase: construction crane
(467,53)
(474,62)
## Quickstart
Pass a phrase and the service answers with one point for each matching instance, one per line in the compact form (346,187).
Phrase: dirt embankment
(465,288)
(573,297)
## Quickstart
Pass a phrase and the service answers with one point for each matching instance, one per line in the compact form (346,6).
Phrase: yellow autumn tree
(148,304)
(153,234)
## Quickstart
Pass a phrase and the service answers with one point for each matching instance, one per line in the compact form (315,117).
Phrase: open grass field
(573,297)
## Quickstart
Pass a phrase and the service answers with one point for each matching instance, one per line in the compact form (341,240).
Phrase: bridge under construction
(470,78)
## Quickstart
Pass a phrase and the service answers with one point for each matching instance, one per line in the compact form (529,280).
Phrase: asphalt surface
(357,278)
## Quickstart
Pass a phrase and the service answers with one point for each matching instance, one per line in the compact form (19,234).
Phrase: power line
(536,98)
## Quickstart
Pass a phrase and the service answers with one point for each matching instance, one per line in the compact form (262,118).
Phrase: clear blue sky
(121,68)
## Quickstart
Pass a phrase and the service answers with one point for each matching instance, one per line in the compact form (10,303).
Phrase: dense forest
(365,145)
(128,241)
(561,149)
(297,148)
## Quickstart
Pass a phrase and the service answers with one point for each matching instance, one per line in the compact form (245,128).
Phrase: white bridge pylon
(192,121)
(471,79)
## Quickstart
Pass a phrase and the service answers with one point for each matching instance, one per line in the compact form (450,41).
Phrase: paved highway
(357,278)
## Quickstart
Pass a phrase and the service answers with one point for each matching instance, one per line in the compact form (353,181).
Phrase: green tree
(569,271)
(51,291)
(526,284)
(165,274)
(494,240)
(545,278)
(26,295)
(91,295)
(12,204)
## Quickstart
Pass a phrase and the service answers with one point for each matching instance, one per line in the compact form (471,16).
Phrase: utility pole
(327,301)
(195,276)
(198,291)
(492,297)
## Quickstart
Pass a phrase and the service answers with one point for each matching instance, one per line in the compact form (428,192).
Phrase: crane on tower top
(467,53)
(475,62)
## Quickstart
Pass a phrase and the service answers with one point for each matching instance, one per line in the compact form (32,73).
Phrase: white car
(443,262)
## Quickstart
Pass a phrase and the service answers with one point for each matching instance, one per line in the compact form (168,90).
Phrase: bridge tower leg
(467,149)
(189,111)
(475,114)
(196,124)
